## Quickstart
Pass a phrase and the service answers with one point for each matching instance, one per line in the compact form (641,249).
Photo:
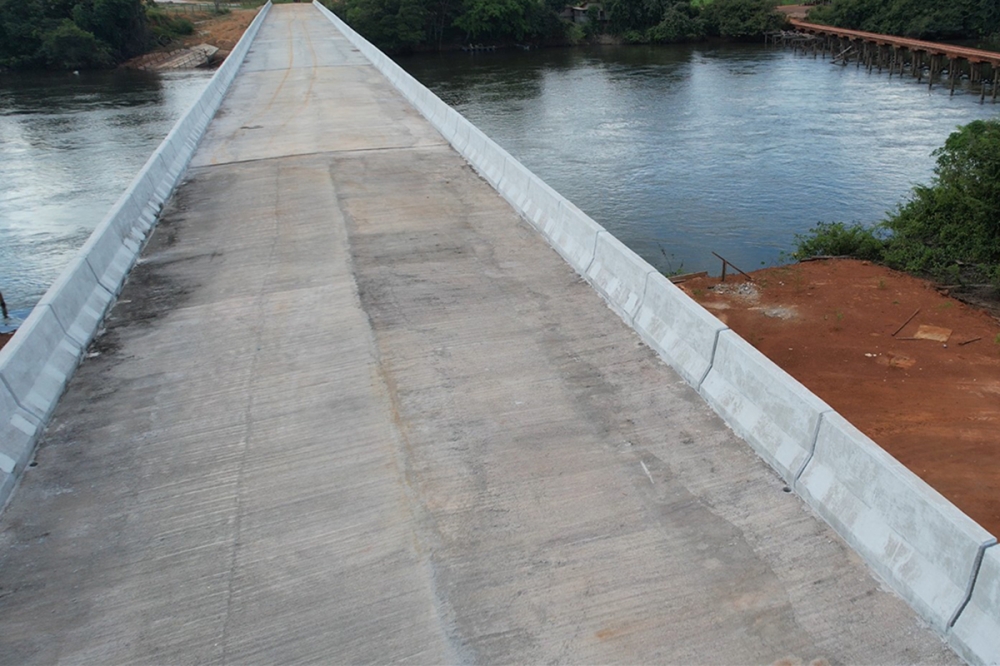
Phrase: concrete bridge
(352,406)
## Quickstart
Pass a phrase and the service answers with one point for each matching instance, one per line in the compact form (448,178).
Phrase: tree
(495,19)
(638,15)
(21,26)
(393,25)
(742,19)
(71,33)
(121,24)
(951,228)
(923,19)
(70,47)
(677,25)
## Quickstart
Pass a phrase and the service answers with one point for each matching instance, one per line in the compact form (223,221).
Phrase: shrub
(838,240)
(949,230)
(165,27)
(741,19)
(70,47)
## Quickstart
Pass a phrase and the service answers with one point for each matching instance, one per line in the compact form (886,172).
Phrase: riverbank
(220,31)
(928,392)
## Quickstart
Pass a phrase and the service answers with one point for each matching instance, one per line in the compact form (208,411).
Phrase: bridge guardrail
(38,361)
(974,635)
(906,530)
(855,486)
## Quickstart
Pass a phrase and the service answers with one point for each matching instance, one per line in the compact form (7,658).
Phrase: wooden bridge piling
(897,55)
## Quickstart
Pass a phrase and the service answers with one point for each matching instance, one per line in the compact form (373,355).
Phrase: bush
(951,228)
(69,47)
(165,28)
(837,239)
(677,26)
(742,19)
(948,230)
(923,19)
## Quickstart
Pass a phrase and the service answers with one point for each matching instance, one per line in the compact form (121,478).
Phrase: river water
(69,146)
(680,151)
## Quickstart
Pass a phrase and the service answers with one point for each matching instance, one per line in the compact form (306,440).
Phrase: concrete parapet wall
(915,538)
(763,404)
(976,634)
(682,332)
(917,541)
(619,274)
(37,363)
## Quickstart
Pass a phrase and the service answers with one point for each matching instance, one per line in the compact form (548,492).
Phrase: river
(680,151)
(69,146)
(684,150)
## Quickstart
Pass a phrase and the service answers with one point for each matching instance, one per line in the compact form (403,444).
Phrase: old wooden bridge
(898,55)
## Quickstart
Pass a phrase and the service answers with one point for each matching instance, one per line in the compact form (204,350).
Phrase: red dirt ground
(935,406)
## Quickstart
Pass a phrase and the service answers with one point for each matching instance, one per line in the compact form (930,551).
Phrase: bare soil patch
(795,11)
(4,337)
(924,396)
(221,31)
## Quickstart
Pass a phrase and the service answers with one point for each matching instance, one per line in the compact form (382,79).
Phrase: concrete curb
(919,543)
(38,361)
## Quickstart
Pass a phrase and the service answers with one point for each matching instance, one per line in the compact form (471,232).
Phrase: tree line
(81,34)
(404,25)
(933,20)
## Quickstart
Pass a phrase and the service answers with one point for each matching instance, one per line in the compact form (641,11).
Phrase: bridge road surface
(351,408)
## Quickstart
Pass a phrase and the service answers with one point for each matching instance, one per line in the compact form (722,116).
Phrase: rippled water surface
(677,150)
(69,145)
(680,151)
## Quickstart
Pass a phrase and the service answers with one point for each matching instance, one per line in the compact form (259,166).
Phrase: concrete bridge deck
(351,408)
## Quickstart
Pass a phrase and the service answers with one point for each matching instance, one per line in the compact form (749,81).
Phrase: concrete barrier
(37,362)
(879,507)
(78,301)
(914,538)
(682,332)
(18,431)
(976,634)
(763,404)
(618,274)
(572,234)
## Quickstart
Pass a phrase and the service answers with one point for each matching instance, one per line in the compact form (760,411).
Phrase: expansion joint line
(972,583)
(593,253)
(812,447)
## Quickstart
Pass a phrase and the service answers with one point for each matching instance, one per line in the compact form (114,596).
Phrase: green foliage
(121,24)
(21,26)
(165,27)
(390,24)
(635,16)
(922,19)
(70,47)
(402,25)
(495,19)
(949,230)
(837,239)
(71,33)
(741,19)
(679,24)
